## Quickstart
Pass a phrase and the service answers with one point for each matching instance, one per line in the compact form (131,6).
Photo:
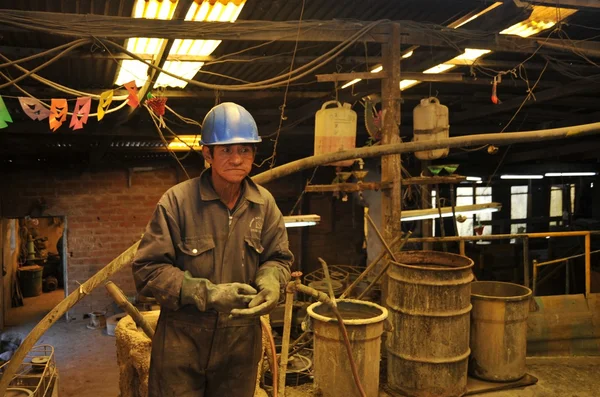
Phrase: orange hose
(274,370)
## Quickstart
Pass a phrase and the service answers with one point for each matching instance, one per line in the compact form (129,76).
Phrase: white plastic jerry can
(335,130)
(430,123)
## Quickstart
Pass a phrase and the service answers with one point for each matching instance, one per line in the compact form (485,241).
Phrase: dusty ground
(86,358)
(87,361)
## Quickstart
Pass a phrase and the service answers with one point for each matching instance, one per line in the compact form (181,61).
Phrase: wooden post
(588,262)
(391,199)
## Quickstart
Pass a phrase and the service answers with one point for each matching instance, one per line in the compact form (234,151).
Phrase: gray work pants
(204,354)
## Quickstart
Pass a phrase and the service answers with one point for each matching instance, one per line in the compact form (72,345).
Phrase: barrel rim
(448,269)
(528,292)
(363,321)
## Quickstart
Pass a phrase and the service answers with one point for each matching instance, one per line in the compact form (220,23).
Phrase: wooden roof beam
(411,33)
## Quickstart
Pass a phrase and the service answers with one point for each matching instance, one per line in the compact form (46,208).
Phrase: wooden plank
(348,187)
(430,180)
(382,75)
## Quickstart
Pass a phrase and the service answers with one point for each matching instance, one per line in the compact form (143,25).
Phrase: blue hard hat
(227,124)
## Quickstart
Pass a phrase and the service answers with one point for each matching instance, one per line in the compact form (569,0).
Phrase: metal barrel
(364,323)
(498,330)
(429,297)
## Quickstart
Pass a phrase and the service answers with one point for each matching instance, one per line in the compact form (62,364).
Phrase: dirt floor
(86,358)
(87,362)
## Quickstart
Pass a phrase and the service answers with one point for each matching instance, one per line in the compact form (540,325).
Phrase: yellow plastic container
(430,123)
(335,130)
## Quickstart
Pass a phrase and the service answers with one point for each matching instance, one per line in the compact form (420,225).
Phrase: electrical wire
(57,86)
(76,44)
(107,111)
(162,137)
(282,115)
(40,54)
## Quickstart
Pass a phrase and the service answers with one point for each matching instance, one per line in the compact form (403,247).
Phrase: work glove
(223,298)
(267,281)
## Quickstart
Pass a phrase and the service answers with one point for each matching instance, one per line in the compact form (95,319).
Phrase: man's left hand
(267,298)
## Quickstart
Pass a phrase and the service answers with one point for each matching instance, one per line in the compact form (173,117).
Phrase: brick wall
(104,217)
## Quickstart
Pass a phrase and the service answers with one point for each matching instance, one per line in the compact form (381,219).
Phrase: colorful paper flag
(58,113)
(105,99)
(132,99)
(81,112)
(4,115)
(157,104)
(34,108)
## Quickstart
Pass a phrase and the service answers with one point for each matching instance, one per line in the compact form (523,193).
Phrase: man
(208,240)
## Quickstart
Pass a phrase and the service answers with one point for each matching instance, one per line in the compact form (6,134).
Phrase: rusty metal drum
(498,330)
(429,299)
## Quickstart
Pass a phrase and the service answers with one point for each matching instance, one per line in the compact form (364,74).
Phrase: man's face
(230,163)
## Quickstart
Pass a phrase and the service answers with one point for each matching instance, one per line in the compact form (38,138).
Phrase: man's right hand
(223,298)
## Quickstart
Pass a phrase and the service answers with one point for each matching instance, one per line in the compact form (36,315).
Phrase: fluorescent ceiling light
(467,58)
(570,174)
(301,220)
(441,68)
(405,84)
(474,178)
(184,142)
(135,70)
(541,18)
(521,176)
(471,18)
(466,210)
(411,83)
(218,11)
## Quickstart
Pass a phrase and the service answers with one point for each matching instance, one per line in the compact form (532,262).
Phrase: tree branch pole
(126,257)
(496,139)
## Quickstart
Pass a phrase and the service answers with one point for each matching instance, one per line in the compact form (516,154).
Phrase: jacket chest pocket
(197,256)
(252,250)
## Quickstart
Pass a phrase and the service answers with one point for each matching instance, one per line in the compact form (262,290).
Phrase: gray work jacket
(192,229)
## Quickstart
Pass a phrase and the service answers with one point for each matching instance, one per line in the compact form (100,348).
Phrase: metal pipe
(526,261)
(368,269)
(566,258)
(535,274)
(502,236)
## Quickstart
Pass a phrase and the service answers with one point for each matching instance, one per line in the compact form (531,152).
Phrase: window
(556,203)
(464,196)
(518,208)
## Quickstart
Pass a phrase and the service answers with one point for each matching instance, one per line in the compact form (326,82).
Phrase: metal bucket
(429,297)
(498,330)
(332,370)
